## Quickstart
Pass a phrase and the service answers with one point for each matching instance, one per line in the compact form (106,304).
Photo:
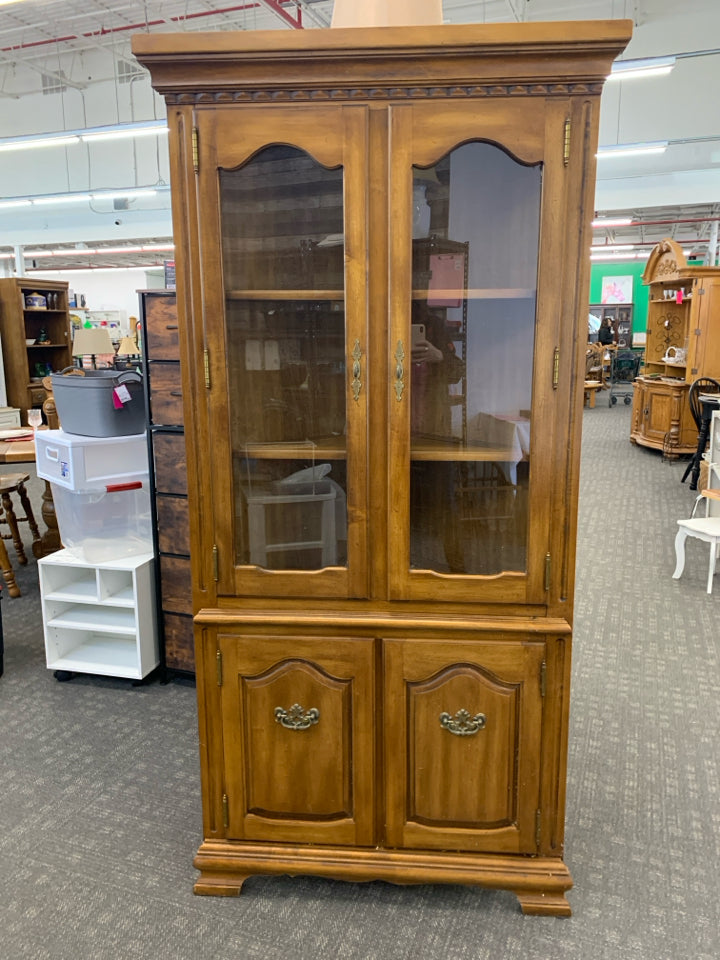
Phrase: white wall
(111,290)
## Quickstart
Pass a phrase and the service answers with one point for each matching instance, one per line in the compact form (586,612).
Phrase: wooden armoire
(382,257)
(682,345)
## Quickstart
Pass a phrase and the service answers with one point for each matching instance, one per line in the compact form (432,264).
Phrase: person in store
(605,333)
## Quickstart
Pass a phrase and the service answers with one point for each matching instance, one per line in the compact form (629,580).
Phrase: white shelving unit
(99,618)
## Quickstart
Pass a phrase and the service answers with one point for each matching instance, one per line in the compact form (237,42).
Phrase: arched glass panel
(283,261)
(476,218)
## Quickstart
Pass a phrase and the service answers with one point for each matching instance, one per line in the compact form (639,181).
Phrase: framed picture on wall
(616,290)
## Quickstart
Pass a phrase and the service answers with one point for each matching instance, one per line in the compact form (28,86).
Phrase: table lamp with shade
(94,346)
(128,353)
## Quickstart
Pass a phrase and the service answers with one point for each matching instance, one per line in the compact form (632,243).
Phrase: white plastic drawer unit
(99,618)
(83,463)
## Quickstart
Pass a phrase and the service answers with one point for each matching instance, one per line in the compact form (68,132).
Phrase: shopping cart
(624,366)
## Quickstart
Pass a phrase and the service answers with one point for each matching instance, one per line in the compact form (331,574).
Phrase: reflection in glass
(283,260)
(473,319)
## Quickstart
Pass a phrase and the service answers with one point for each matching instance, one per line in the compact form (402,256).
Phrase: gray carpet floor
(100,804)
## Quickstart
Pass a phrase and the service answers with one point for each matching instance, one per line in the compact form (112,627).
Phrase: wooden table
(23,451)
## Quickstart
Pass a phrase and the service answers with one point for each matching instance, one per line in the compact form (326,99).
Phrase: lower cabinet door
(463,724)
(297,716)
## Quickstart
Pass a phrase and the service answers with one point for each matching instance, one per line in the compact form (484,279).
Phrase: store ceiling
(36,36)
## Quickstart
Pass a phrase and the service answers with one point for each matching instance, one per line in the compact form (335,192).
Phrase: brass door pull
(462,724)
(399,371)
(296,718)
(356,371)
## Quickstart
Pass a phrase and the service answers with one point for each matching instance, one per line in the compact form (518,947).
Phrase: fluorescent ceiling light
(62,198)
(96,251)
(648,67)
(155,130)
(631,149)
(131,193)
(32,143)
(126,194)
(612,247)
(78,270)
(612,222)
(64,138)
(620,256)
(71,252)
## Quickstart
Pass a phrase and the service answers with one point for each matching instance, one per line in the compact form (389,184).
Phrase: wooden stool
(591,388)
(7,571)
(15,483)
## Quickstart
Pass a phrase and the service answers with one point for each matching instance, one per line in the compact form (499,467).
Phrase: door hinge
(543,678)
(206,360)
(548,568)
(195,150)
(698,331)
(556,368)
(538,826)
(216,563)
(226,811)
(218,666)
(700,292)
(566,143)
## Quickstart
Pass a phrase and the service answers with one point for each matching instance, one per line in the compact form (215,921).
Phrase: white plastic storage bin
(83,463)
(107,522)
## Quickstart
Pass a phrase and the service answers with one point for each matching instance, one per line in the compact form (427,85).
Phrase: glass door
(466,355)
(288,319)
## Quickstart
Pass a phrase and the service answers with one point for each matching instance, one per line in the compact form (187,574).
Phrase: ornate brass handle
(399,371)
(296,718)
(356,371)
(462,724)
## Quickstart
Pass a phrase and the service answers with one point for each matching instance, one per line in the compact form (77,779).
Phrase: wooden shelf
(285,295)
(22,323)
(477,293)
(421,449)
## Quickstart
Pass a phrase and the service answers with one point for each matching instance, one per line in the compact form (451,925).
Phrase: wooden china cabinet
(381,239)
(683,344)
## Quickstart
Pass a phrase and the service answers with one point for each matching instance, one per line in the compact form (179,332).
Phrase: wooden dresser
(161,361)
(382,243)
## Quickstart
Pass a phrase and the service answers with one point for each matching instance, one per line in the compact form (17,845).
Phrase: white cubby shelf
(99,617)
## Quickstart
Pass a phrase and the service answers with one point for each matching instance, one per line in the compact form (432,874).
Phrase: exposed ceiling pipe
(103,32)
(660,223)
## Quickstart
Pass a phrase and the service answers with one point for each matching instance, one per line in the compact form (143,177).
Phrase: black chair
(702,414)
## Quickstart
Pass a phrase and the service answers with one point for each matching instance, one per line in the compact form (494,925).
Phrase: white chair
(706,529)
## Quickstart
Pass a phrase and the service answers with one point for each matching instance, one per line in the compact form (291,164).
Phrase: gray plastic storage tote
(100,403)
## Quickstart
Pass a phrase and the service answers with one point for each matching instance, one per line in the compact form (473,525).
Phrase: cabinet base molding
(669,452)
(540,883)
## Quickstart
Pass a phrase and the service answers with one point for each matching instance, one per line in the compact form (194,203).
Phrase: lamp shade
(128,347)
(91,341)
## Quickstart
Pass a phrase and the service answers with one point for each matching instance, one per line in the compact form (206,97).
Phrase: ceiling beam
(274,6)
